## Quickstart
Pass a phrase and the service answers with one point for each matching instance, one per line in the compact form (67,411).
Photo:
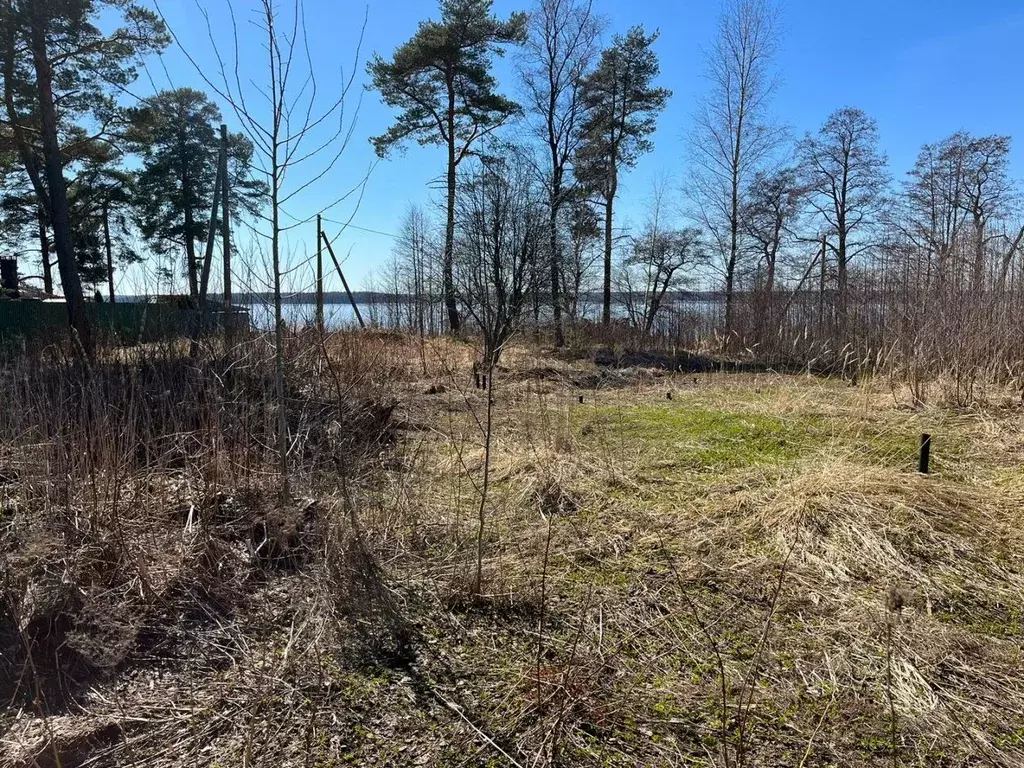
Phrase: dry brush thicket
(719,568)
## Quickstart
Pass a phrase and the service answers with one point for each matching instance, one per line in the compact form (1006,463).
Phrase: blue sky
(921,68)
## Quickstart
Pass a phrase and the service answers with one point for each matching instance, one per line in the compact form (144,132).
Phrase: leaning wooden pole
(319,276)
(344,282)
(202,311)
(211,234)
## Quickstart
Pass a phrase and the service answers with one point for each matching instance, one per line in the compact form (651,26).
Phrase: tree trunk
(225,227)
(275,254)
(841,285)
(447,267)
(730,280)
(109,249)
(556,280)
(821,286)
(60,212)
(44,252)
(606,311)
(979,254)
(190,246)
(536,282)
(734,250)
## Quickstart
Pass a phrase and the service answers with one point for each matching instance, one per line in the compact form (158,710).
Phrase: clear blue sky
(922,68)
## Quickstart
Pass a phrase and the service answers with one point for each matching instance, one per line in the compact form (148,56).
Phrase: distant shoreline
(375,297)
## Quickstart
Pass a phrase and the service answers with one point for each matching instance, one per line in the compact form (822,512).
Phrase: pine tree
(176,134)
(58,64)
(441,81)
(104,194)
(622,109)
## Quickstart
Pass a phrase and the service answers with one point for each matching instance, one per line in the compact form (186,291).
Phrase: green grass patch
(688,436)
(703,438)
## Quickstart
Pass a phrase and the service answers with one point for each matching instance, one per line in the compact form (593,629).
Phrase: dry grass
(748,573)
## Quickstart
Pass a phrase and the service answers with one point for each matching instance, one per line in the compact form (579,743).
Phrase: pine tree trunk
(44,252)
(60,212)
(190,246)
(448,266)
(606,310)
(110,251)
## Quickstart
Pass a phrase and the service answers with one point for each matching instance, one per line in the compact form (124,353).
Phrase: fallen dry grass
(727,569)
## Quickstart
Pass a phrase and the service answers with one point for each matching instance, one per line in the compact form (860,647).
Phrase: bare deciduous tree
(583,233)
(560,48)
(733,135)
(499,233)
(771,205)
(845,175)
(660,259)
(293,132)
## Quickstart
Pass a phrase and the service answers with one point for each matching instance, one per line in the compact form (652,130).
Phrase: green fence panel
(36,322)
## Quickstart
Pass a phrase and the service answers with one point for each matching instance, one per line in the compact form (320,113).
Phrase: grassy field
(710,570)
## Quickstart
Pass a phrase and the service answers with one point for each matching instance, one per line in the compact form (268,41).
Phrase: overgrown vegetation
(690,533)
(749,572)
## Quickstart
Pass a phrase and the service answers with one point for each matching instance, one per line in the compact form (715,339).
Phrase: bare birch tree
(660,261)
(561,46)
(845,174)
(733,135)
(298,140)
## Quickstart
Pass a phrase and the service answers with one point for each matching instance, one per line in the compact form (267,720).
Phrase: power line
(361,229)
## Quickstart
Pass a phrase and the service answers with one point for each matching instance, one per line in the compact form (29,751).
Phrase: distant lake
(336,316)
(393,311)
(398,313)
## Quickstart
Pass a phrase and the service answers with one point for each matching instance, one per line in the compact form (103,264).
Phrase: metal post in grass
(925,456)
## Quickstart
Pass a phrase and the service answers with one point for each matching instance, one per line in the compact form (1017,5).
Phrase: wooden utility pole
(344,282)
(211,235)
(225,221)
(202,311)
(319,276)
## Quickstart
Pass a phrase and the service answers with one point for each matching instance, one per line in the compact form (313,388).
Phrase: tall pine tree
(441,81)
(176,133)
(622,108)
(57,64)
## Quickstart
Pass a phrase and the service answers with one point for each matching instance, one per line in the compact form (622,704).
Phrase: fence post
(925,456)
